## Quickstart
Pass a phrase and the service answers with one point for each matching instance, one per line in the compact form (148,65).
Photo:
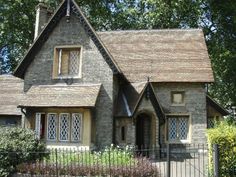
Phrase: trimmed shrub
(143,167)
(15,147)
(224,134)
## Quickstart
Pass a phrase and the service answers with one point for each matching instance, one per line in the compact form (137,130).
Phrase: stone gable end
(95,70)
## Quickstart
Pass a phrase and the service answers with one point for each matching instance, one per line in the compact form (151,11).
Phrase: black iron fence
(165,161)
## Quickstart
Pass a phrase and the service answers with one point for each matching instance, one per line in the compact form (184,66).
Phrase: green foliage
(16,30)
(111,155)
(216,18)
(111,161)
(221,44)
(15,147)
(224,134)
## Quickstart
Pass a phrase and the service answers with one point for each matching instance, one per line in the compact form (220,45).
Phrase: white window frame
(59,127)
(81,128)
(59,61)
(177,116)
(56,117)
(38,125)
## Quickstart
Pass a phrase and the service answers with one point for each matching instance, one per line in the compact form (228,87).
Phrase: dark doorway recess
(143,131)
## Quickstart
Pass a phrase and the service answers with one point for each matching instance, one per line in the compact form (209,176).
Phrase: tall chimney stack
(42,17)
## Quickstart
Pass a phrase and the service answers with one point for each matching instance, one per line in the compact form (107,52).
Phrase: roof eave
(217,106)
(55,106)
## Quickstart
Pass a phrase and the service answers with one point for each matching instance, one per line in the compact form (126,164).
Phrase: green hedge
(15,145)
(224,134)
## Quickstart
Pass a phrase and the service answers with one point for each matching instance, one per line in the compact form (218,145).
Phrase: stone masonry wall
(94,70)
(195,106)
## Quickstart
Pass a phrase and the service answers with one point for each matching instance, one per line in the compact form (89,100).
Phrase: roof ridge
(151,30)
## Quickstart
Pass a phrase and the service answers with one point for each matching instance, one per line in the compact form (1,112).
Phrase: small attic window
(177,98)
(67,62)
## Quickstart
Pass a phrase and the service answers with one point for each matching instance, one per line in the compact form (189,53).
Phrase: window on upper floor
(177,98)
(67,62)
(178,128)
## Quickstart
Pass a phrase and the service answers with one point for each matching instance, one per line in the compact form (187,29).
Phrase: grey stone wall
(94,70)
(195,106)
(146,107)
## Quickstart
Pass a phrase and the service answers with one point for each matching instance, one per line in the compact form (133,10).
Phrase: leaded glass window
(74,62)
(67,62)
(52,126)
(76,127)
(178,128)
(210,122)
(64,127)
(183,128)
(172,124)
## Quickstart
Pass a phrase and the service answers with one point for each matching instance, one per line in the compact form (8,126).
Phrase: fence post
(168,160)
(56,163)
(109,161)
(216,160)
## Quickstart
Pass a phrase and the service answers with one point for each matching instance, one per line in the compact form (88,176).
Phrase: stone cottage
(86,88)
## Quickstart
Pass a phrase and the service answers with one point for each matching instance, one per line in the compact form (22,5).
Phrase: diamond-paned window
(64,127)
(183,128)
(67,62)
(210,122)
(76,127)
(52,126)
(178,128)
(74,62)
(172,125)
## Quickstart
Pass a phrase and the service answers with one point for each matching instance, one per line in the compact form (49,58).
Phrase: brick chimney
(42,17)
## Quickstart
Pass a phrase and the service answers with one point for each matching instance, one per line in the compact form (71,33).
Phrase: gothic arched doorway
(143,131)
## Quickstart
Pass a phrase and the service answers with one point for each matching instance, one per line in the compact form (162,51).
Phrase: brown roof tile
(61,96)
(163,55)
(11,92)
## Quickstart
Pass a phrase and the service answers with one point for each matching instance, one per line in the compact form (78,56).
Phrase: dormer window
(67,62)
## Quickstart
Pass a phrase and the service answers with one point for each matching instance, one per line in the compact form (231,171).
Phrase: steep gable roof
(211,102)
(171,55)
(130,96)
(43,36)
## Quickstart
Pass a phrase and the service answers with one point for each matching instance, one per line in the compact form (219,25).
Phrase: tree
(16,30)
(222,49)
(216,17)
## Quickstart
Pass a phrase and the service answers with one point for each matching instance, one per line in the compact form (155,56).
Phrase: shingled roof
(11,92)
(176,55)
(61,96)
